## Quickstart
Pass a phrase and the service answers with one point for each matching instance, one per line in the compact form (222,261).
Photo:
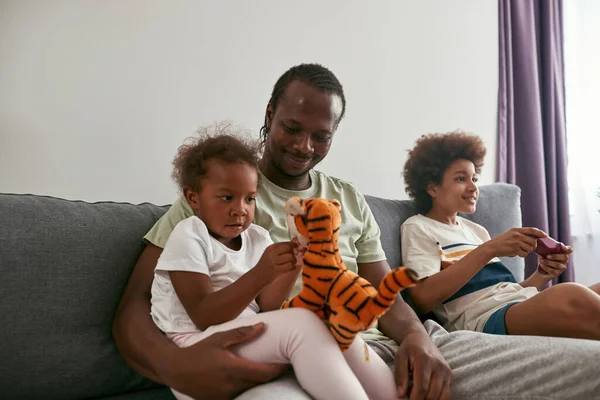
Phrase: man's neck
(281,179)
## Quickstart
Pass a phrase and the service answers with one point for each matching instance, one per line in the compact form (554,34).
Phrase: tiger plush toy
(346,302)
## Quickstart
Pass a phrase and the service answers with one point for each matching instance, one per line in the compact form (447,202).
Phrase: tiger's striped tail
(392,284)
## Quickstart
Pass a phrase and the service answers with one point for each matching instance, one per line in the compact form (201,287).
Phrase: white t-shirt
(191,248)
(428,246)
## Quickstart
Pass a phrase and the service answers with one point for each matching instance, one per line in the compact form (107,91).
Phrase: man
(301,118)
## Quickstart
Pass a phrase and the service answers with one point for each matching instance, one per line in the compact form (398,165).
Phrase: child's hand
(555,264)
(299,252)
(515,242)
(278,259)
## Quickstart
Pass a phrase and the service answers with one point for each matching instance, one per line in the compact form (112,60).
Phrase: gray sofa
(64,265)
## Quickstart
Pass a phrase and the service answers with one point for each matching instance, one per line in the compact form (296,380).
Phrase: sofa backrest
(498,210)
(65,264)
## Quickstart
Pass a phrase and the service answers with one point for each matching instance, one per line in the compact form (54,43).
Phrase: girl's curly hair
(222,141)
(432,155)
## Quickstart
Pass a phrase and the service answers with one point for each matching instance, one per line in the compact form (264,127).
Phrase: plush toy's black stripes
(387,286)
(340,333)
(400,285)
(349,300)
(375,301)
(388,299)
(317,266)
(309,302)
(317,229)
(320,242)
(324,279)
(314,291)
(318,219)
(348,329)
(361,305)
(348,286)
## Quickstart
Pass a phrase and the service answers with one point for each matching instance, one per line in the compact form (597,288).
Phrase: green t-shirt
(359,233)
(359,238)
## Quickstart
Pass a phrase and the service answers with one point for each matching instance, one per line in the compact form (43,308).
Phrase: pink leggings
(299,337)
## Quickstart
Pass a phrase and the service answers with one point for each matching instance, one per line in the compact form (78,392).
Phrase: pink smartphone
(546,246)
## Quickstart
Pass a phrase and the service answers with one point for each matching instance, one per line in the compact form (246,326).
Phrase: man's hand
(210,370)
(431,375)
(555,264)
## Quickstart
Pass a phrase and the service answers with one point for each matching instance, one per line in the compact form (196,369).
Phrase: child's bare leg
(373,373)
(565,310)
(299,337)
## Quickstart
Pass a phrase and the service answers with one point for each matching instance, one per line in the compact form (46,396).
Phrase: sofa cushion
(64,265)
(498,210)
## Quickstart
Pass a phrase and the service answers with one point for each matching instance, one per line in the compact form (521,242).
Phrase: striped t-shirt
(428,246)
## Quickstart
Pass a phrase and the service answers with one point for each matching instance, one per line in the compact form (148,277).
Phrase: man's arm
(417,352)
(400,320)
(140,342)
(206,370)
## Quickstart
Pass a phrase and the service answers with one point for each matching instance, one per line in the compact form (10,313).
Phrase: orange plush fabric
(346,302)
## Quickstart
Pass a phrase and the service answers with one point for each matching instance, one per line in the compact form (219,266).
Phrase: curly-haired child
(462,280)
(219,271)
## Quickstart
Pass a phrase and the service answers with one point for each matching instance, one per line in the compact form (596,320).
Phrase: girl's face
(226,199)
(458,191)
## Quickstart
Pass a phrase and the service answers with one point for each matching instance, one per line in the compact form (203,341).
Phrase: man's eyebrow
(292,121)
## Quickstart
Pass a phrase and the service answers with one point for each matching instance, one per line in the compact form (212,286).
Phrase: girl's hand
(299,252)
(554,264)
(277,260)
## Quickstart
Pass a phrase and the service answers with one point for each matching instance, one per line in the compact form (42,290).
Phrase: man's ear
(269,117)
(431,189)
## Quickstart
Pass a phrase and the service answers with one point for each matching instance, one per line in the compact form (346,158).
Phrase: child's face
(226,199)
(458,191)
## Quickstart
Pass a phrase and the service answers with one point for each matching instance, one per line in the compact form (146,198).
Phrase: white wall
(95,96)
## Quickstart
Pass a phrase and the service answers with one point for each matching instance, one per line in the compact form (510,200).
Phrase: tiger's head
(314,219)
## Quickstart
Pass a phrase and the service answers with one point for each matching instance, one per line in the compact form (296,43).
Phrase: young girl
(462,280)
(218,271)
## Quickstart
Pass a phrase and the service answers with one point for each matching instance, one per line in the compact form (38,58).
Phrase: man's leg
(518,367)
(512,367)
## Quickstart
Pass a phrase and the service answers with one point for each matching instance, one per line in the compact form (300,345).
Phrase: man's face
(301,129)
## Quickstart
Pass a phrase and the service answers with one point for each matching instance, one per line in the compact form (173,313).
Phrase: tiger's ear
(294,206)
(337,204)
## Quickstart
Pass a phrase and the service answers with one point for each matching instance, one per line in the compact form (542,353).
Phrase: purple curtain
(532,150)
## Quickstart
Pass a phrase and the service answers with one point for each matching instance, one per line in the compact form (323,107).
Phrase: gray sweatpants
(492,367)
